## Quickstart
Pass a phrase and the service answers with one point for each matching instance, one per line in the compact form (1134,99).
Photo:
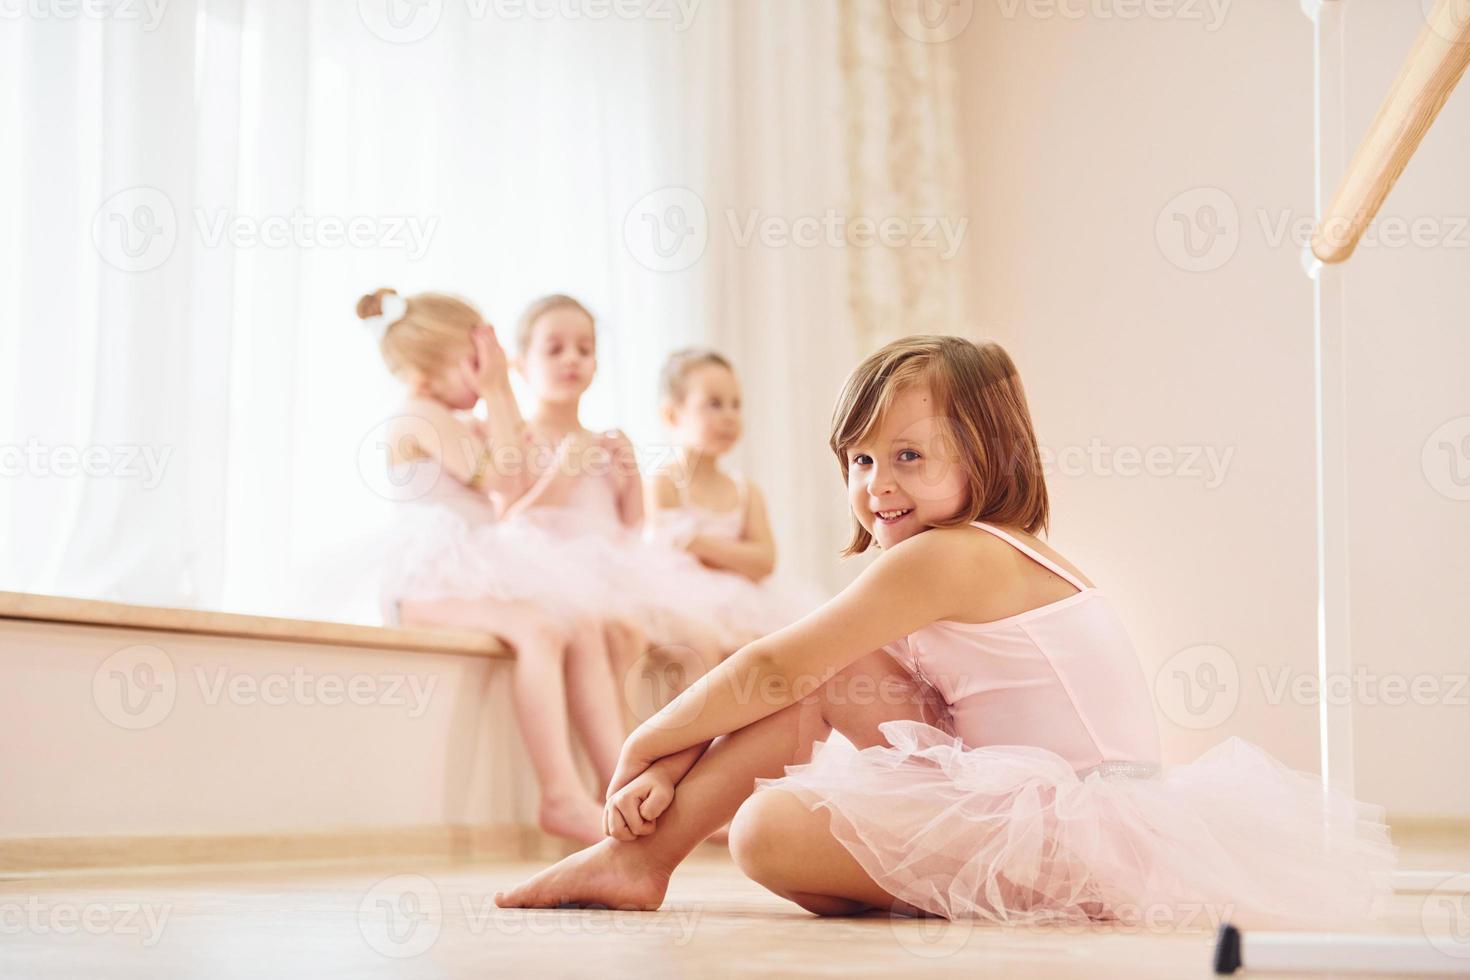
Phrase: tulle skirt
(734,608)
(673,598)
(574,569)
(433,553)
(1011,834)
(668,594)
(743,609)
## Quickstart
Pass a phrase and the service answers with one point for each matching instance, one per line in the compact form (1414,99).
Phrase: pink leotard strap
(1034,555)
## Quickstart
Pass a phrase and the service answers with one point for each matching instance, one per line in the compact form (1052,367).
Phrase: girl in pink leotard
(451,562)
(1004,758)
(694,506)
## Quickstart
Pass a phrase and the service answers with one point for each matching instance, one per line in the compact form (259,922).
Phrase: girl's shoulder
(965,576)
(423,426)
(422,408)
(1005,571)
(940,546)
(670,486)
(416,401)
(951,554)
(663,487)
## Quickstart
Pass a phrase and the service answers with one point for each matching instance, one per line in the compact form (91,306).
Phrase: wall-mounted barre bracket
(1424,84)
(1311,8)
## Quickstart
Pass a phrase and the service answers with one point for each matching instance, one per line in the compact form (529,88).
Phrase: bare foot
(573,817)
(610,874)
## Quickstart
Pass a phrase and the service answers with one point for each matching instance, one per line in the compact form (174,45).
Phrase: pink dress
(446,543)
(1042,800)
(620,573)
(449,545)
(750,609)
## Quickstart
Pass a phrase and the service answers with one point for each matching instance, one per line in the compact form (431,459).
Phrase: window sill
(93,612)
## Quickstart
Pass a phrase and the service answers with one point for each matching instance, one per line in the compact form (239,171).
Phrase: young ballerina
(721,520)
(455,565)
(594,503)
(1004,757)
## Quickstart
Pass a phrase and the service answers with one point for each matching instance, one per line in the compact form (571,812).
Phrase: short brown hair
(677,368)
(538,309)
(979,394)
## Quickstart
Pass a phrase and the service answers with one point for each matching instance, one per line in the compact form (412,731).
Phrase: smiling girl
(1004,762)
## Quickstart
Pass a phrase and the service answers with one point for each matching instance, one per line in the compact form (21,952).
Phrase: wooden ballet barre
(1430,74)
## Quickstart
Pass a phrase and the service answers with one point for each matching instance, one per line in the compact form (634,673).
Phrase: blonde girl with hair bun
(454,564)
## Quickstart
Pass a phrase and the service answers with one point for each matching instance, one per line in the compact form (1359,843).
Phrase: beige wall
(1079,134)
(1408,350)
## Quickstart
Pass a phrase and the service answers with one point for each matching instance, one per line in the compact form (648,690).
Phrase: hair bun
(371,305)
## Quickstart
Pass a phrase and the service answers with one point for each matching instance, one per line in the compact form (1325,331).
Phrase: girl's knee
(764,853)
(625,638)
(535,635)
(826,904)
(872,690)
(754,842)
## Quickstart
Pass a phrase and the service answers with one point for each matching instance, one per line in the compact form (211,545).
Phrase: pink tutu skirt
(750,610)
(434,553)
(730,605)
(1011,834)
(674,598)
(667,593)
(741,609)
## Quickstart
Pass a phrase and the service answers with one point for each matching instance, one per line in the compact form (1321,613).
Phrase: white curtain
(191,208)
(187,395)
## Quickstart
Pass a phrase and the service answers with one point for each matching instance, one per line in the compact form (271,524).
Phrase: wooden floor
(438,920)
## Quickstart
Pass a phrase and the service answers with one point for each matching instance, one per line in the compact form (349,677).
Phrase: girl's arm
(753,556)
(624,462)
(502,466)
(429,430)
(677,766)
(557,473)
(929,577)
(659,494)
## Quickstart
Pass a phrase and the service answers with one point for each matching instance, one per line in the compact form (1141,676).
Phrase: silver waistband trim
(1138,770)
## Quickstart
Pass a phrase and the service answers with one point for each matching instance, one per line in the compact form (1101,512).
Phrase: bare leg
(784,845)
(594,697)
(781,843)
(626,646)
(539,691)
(635,874)
(657,674)
(874,689)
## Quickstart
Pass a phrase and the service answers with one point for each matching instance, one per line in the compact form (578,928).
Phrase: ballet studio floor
(424,920)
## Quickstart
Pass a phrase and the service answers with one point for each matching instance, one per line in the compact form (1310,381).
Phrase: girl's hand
(486,368)
(619,449)
(571,452)
(632,761)
(568,458)
(632,810)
